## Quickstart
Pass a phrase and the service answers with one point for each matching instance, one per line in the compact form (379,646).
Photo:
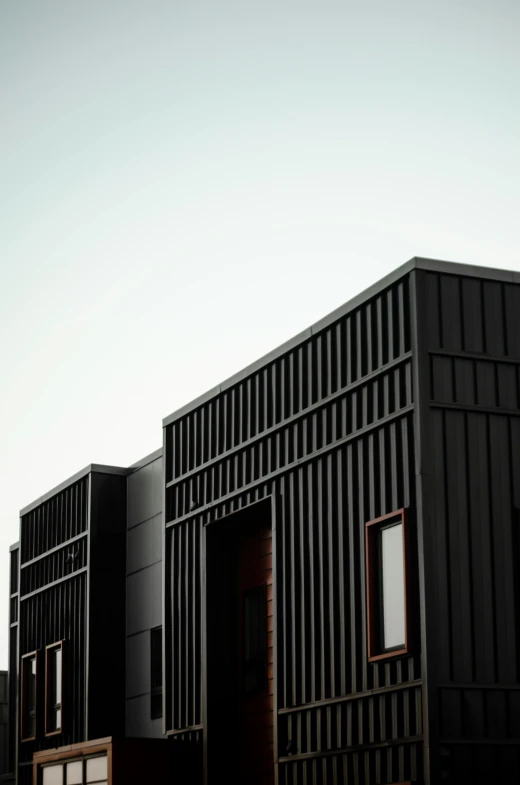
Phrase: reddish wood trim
(23,687)
(52,646)
(371,579)
(74,750)
(109,765)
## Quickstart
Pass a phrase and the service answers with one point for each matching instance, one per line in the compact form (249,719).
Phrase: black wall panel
(472,344)
(44,619)
(53,604)
(72,589)
(106,610)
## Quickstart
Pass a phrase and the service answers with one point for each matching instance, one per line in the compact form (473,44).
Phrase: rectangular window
(79,772)
(156,673)
(53,688)
(386,574)
(254,631)
(29,695)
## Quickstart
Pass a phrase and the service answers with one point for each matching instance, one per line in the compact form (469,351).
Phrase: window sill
(388,654)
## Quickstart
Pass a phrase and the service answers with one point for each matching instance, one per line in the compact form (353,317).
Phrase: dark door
(255,656)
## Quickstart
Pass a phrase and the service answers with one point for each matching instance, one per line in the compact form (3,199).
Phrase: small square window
(386,580)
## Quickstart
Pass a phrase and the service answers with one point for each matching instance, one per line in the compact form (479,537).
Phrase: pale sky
(185,184)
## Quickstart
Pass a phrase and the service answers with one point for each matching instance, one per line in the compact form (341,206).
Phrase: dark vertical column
(423,518)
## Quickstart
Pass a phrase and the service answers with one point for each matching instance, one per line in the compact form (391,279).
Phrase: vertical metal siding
(472,342)
(10,762)
(328,430)
(53,604)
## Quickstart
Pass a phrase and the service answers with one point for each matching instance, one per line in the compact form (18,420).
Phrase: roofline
(14,547)
(416,263)
(153,456)
(91,468)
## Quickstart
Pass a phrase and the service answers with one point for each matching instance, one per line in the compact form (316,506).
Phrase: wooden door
(255,661)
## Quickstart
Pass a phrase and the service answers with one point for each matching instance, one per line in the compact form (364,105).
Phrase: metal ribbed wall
(13,655)
(55,521)
(184,606)
(53,604)
(327,431)
(471,354)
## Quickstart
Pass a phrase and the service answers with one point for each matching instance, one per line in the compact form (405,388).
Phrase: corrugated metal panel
(327,430)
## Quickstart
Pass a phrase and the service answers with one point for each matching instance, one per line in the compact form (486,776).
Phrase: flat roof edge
(153,456)
(296,340)
(14,547)
(469,270)
(98,468)
(416,262)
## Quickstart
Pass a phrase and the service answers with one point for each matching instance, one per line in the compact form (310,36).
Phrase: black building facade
(3,723)
(315,580)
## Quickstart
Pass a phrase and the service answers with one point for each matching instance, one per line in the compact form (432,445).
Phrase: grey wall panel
(138,664)
(144,499)
(143,592)
(144,544)
(138,722)
(143,599)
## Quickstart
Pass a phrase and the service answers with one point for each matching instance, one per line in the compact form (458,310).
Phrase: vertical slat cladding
(326,501)
(56,614)
(476,475)
(47,526)
(59,611)
(183,548)
(311,432)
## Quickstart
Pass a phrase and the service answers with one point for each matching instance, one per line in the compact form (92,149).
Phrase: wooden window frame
(23,713)
(373,596)
(72,753)
(48,649)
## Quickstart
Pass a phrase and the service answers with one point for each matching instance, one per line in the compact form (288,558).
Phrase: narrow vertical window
(53,688)
(29,695)
(156,673)
(254,630)
(386,572)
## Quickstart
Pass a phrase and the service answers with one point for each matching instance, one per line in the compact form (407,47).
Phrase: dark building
(315,580)
(3,723)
